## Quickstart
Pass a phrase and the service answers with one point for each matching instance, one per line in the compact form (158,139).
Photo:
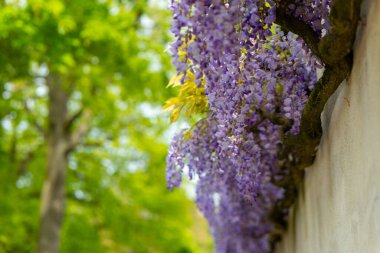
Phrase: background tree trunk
(53,192)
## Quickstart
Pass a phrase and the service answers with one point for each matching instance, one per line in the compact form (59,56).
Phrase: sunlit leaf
(190,96)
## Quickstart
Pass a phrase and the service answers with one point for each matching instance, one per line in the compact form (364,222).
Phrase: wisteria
(257,79)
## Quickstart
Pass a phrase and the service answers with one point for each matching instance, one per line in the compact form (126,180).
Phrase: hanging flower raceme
(256,80)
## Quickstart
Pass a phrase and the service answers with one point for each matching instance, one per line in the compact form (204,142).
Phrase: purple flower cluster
(253,72)
(313,12)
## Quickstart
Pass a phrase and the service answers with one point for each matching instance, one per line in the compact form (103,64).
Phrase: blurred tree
(74,77)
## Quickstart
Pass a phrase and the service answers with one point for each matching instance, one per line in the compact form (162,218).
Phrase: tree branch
(35,123)
(21,168)
(71,120)
(277,119)
(344,19)
(297,26)
(92,143)
(77,136)
(332,77)
(335,51)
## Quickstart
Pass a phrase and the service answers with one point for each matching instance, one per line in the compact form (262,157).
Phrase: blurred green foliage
(111,57)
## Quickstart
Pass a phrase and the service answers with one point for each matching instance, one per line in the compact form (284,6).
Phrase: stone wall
(338,209)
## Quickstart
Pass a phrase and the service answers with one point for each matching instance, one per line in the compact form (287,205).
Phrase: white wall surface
(338,210)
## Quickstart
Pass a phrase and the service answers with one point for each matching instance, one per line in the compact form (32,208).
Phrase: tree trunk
(53,193)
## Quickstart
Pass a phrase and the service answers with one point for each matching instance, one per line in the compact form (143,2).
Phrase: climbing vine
(255,65)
